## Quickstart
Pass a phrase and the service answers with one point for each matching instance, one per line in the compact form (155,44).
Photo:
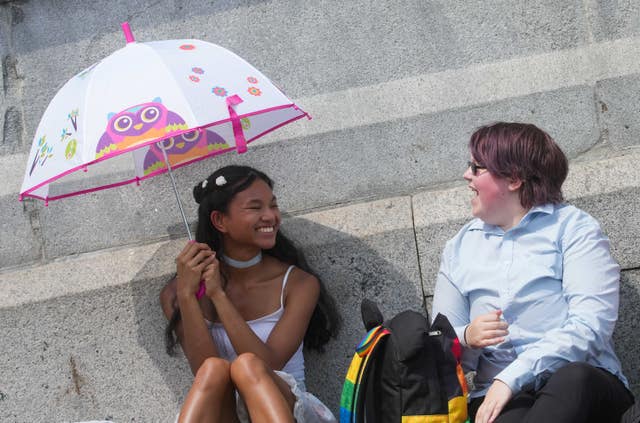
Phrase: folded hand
(486,329)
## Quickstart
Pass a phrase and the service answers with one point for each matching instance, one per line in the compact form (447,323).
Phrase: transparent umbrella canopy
(146,109)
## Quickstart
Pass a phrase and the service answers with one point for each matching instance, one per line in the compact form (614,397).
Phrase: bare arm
(192,331)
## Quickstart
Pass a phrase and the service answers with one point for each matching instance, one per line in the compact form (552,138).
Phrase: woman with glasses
(531,289)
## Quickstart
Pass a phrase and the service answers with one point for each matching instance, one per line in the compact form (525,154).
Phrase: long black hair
(215,193)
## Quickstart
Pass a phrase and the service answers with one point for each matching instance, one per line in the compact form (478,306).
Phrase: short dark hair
(526,152)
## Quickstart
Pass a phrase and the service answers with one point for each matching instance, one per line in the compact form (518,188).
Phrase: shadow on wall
(351,269)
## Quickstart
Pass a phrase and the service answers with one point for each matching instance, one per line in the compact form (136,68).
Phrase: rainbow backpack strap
(355,373)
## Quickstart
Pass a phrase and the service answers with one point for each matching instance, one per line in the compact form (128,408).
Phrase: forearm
(240,334)
(194,335)
(576,340)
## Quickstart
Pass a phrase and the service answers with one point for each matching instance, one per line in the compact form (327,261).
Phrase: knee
(248,370)
(576,375)
(213,373)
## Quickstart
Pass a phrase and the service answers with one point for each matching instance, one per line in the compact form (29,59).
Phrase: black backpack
(405,370)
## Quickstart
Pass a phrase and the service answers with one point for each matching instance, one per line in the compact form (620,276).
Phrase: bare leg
(211,398)
(268,397)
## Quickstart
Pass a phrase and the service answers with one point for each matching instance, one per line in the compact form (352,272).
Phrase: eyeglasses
(475,167)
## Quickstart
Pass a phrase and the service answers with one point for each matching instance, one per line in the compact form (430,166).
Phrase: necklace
(239,264)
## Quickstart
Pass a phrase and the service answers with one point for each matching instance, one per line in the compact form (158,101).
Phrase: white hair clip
(204,183)
(220,181)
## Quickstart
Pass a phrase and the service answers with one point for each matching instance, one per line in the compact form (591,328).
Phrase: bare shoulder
(302,284)
(299,282)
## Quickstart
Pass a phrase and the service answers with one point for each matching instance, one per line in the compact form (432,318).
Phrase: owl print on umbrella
(136,124)
(153,120)
(183,148)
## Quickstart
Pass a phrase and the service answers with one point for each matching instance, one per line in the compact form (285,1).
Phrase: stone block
(619,112)
(121,216)
(20,239)
(611,20)
(11,141)
(86,346)
(295,33)
(618,217)
(96,355)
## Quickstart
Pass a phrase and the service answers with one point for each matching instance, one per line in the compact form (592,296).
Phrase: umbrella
(146,109)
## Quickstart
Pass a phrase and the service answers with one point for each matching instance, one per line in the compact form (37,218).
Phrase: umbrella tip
(128,35)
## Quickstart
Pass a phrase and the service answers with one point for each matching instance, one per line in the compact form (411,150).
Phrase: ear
(515,184)
(218,221)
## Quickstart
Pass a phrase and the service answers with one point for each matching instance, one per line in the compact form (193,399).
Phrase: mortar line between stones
(415,240)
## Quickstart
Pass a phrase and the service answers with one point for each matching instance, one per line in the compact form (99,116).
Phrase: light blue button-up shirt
(556,283)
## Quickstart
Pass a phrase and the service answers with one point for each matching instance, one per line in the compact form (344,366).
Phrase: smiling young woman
(531,288)
(244,338)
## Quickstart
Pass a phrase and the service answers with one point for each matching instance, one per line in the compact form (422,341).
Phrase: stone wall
(371,186)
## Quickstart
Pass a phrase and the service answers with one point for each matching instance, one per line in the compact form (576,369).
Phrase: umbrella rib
(175,191)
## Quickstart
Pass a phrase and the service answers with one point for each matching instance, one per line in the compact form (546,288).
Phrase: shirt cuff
(516,375)
(460,334)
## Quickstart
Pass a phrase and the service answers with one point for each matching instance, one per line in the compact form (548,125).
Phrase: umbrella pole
(175,191)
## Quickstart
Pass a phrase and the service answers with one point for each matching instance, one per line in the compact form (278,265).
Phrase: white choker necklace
(239,264)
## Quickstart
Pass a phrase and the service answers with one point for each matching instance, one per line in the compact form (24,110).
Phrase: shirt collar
(479,225)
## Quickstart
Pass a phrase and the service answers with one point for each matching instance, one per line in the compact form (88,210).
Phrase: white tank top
(262,327)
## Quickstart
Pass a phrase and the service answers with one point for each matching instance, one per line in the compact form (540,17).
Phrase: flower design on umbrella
(197,70)
(43,153)
(187,47)
(252,80)
(65,134)
(194,78)
(70,151)
(254,91)
(73,117)
(219,91)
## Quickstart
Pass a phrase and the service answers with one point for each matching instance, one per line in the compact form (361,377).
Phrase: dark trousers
(576,393)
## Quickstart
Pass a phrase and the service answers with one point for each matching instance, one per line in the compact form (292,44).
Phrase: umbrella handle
(201,290)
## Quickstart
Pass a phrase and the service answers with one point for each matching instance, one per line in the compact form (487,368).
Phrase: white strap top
(262,327)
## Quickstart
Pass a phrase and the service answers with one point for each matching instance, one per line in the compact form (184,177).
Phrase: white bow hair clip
(220,181)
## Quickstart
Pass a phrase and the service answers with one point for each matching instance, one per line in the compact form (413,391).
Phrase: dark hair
(526,152)
(325,320)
